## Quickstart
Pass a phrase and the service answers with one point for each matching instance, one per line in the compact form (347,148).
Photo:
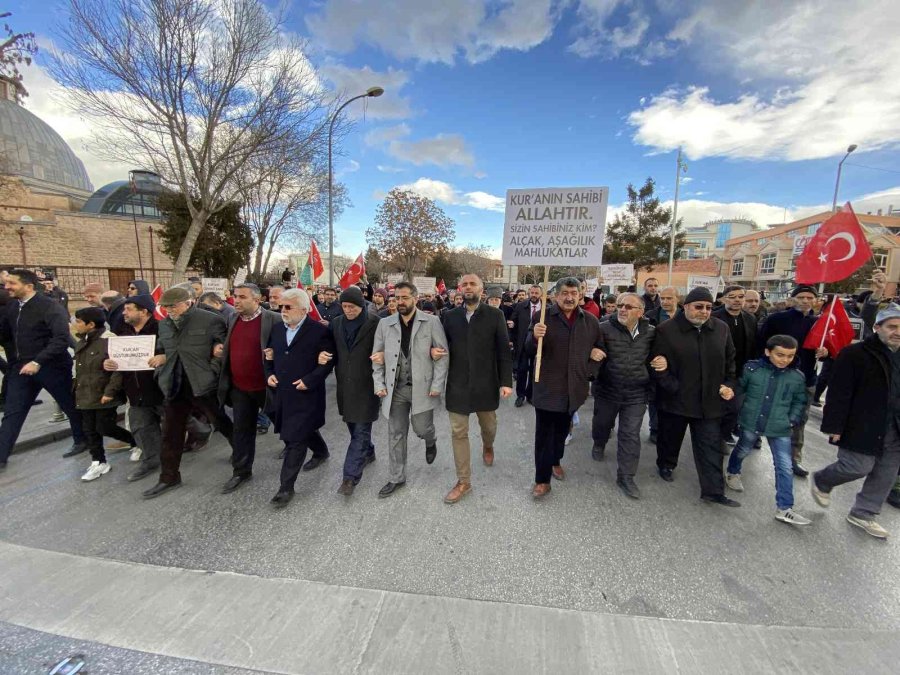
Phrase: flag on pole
(353,273)
(315,260)
(306,275)
(441,287)
(313,310)
(159,312)
(832,330)
(837,250)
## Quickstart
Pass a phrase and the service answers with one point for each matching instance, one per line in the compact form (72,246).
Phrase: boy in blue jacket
(775,397)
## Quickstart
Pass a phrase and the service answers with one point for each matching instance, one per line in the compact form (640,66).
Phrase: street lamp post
(370,92)
(837,182)
(679,167)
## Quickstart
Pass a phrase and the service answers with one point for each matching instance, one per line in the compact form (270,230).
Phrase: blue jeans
(781,457)
(359,450)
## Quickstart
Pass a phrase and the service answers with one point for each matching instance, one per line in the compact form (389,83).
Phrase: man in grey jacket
(407,379)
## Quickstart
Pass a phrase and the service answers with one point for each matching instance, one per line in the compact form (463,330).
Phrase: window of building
(880,256)
(723,234)
(767,263)
(737,267)
(812,229)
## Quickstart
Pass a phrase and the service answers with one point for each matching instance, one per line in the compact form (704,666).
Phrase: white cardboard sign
(555,226)
(217,286)
(132,353)
(425,284)
(714,284)
(591,285)
(619,274)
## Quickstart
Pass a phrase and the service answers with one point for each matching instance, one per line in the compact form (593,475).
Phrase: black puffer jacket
(624,375)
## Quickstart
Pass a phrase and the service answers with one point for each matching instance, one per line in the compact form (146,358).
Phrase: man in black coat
(862,417)
(35,329)
(742,326)
(797,321)
(299,382)
(622,386)
(524,314)
(651,295)
(354,336)
(480,373)
(700,376)
(569,358)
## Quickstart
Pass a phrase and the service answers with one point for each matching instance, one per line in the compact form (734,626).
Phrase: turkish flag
(159,312)
(315,260)
(353,273)
(441,287)
(835,326)
(313,310)
(838,249)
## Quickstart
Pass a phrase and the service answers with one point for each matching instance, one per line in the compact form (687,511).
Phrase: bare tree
(409,229)
(474,259)
(16,49)
(194,89)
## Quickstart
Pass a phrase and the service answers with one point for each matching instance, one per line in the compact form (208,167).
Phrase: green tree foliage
(443,265)
(223,245)
(640,234)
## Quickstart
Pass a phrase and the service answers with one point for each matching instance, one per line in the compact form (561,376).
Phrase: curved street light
(372,92)
(837,183)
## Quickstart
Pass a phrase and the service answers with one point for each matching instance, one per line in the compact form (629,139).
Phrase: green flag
(306,276)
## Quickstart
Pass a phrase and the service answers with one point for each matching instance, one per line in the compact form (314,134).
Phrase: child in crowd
(97,392)
(775,395)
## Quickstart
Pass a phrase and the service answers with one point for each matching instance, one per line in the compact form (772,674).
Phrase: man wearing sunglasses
(700,376)
(622,385)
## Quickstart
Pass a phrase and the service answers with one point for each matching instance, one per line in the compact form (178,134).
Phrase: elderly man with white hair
(293,370)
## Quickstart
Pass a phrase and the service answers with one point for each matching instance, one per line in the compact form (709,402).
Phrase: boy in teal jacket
(775,396)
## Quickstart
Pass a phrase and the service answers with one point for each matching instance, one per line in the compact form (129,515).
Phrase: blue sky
(482,96)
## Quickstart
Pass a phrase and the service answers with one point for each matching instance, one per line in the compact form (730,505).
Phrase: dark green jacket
(774,398)
(190,344)
(91,381)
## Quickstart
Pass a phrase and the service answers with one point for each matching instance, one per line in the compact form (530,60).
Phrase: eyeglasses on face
(625,305)
(289,307)
(702,308)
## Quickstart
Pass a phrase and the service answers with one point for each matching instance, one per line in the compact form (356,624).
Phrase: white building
(709,239)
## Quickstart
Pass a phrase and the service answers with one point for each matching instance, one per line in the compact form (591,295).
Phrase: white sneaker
(136,454)
(823,499)
(575,420)
(58,416)
(95,470)
(791,517)
(733,480)
(870,526)
(568,438)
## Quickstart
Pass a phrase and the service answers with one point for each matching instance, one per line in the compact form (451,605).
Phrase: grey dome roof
(34,150)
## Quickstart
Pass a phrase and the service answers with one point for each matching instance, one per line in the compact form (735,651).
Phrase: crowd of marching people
(732,369)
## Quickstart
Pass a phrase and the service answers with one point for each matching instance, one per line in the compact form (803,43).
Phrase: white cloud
(354,81)
(442,150)
(351,167)
(384,168)
(440,191)
(816,77)
(435,30)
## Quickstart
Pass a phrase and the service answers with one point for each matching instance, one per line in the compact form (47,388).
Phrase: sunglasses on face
(702,308)
(625,305)
(287,307)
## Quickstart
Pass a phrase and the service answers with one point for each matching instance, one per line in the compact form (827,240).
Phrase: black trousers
(246,406)
(524,375)
(706,441)
(295,455)
(550,431)
(175,418)
(99,423)
(732,410)
(824,378)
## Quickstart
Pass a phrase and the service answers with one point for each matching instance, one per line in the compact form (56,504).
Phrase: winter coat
(566,365)
(750,350)
(774,398)
(791,322)
(858,406)
(39,333)
(268,320)
(700,361)
(480,362)
(356,399)
(191,344)
(655,316)
(624,375)
(521,318)
(330,312)
(295,412)
(650,303)
(91,381)
(140,386)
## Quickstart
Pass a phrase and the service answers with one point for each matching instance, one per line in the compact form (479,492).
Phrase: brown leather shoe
(558,473)
(459,491)
(488,456)
(540,490)
(346,488)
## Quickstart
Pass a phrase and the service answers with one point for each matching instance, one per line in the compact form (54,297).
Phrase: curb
(49,437)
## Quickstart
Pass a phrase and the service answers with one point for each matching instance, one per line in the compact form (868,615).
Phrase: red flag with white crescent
(353,273)
(837,250)
(832,330)
(159,312)
(313,310)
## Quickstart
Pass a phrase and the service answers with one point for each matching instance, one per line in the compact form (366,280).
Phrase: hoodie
(142,286)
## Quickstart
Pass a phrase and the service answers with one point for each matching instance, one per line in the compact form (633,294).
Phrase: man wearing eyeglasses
(622,386)
(700,376)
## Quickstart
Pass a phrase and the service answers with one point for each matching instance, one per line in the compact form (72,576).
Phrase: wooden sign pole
(540,345)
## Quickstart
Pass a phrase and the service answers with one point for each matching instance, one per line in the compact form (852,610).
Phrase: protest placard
(619,274)
(591,285)
(213,285)
(424,284)
(714,284)
(133,352)
(394,278)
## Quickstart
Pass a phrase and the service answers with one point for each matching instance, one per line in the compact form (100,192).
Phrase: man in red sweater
(242,382)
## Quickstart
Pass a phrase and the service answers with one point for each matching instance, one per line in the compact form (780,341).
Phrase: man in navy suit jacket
(292,369)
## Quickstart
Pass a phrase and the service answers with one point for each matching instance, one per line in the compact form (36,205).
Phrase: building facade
(709,239)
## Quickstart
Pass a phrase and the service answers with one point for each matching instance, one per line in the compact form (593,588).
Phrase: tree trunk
(257,262)
(198,222)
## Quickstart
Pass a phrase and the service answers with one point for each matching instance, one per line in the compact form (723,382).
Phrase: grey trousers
(880,474)
(398,430)
(797,436)
(631,416)
(145,424)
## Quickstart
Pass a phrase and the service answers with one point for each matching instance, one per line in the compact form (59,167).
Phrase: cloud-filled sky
(486,95)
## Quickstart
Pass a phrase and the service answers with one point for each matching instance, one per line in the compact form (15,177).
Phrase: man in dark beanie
(797,322)
(742,326)
(354,337)
(700,356)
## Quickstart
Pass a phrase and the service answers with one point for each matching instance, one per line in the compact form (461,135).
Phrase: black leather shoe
(520,401)
(799,471)
(76,449)
(430,453)
(282,499)
(234,483)
(389,489)
(314,462)
(159,489)
(720,499)
(626,484)
(369,459)
(597,453)
(893,497)
(666,475)
(142,471)
(346,488)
